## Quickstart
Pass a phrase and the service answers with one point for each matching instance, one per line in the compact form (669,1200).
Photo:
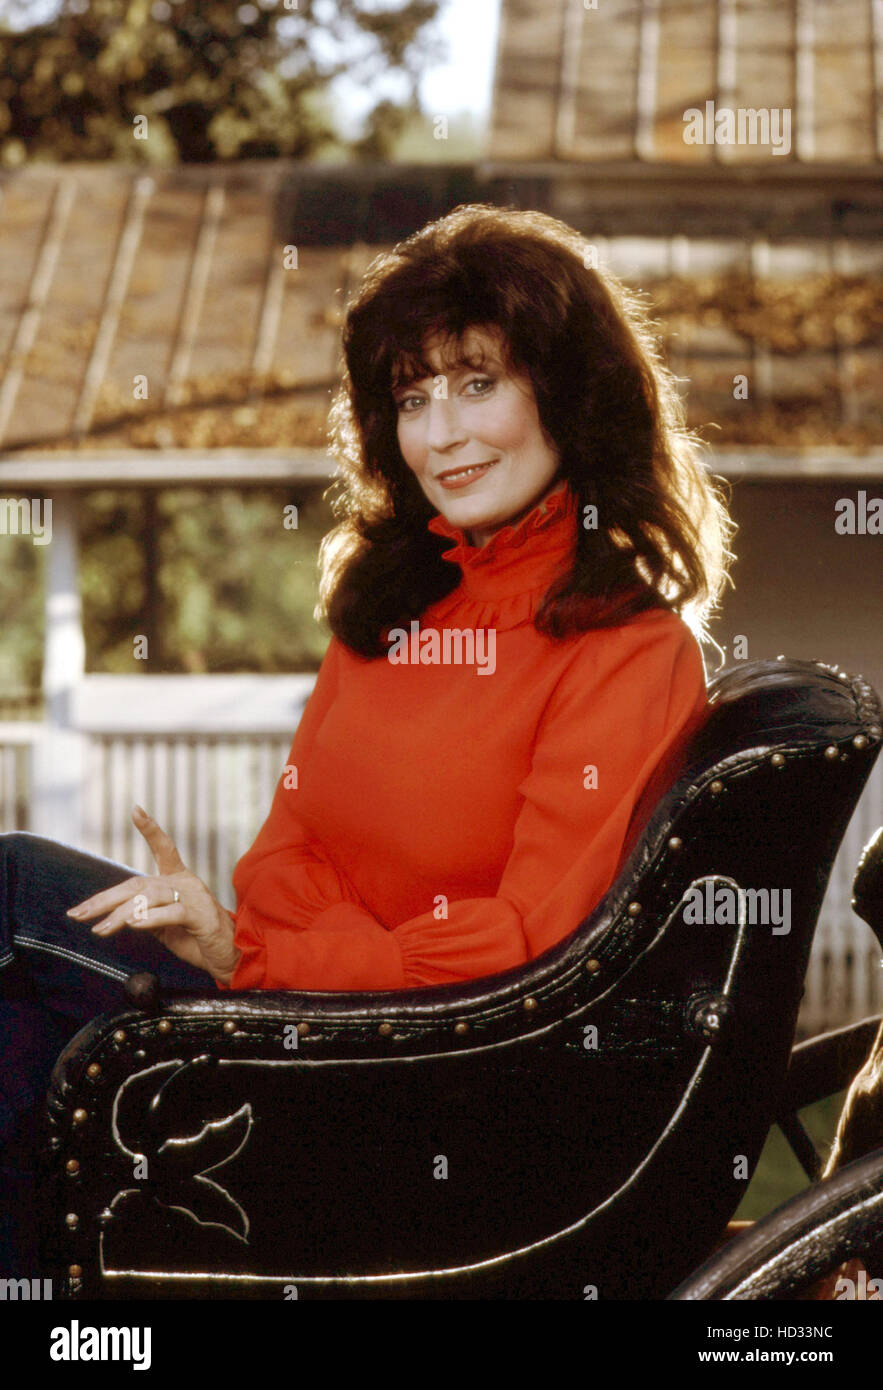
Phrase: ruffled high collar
(503,582)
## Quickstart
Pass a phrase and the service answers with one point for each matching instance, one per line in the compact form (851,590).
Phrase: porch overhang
(243,467)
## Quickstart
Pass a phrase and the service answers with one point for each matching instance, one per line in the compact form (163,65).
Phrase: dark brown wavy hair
(604,398)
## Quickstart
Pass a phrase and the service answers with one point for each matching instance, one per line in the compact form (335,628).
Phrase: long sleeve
(285,865)
(623,705)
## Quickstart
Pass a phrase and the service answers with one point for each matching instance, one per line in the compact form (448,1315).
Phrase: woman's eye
(484,381)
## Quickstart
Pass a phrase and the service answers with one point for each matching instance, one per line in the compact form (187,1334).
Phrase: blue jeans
(54,977)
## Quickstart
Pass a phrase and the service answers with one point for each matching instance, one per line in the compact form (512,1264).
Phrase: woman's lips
(463,477)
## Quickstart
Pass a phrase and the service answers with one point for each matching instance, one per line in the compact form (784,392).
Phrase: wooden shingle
(613,81)
(184,280)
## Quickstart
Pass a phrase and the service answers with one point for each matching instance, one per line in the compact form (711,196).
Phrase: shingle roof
(109,276)
(611,81)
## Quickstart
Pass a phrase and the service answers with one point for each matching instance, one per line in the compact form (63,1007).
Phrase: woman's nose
(445,426)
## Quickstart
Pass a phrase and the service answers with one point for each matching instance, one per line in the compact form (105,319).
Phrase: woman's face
(484,420)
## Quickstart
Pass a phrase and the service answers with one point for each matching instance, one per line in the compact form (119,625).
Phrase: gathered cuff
(249,973)
(482,937)
(367,959)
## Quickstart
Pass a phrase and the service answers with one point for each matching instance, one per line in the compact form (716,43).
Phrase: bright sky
(469,28)
(463,81)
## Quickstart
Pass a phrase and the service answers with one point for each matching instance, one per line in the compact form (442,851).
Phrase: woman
(523,522)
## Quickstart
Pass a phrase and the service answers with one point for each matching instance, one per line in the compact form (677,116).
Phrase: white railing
(845,976)
(201,754)
(212,794)
(211,788)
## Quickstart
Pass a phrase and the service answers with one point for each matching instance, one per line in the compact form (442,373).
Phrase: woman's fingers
(168,861)
(162,846)
(129,903)
(139,914)
(109,898)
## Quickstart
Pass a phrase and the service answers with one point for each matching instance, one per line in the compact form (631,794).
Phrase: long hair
(604,398)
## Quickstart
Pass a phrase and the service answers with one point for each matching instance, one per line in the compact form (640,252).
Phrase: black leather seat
(586,1123)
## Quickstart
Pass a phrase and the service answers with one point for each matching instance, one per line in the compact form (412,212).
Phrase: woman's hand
(196,928)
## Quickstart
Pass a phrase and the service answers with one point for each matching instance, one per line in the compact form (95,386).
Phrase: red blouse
(440,821)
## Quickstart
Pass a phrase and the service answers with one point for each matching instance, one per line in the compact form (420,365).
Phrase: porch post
(58,768)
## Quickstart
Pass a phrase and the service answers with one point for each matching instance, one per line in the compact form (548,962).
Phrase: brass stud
(859,741)
(80,1117)
(716,787)
(229,1026)
(530,1004)
(140,1055)
(675,842)
(75,1271)
(72,1167)
(164,1026)
(832,752)
(461,1027)
(593,966)
(778,760)
(93,1071)
(385,1029)
(303,1030)
(119,1036)
(72,1221)
(634,909)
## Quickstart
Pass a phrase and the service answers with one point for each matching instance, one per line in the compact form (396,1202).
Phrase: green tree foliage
(235,587)
(215,80)
(22,566)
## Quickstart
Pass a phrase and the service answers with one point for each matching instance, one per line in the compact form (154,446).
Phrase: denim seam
(97,966)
